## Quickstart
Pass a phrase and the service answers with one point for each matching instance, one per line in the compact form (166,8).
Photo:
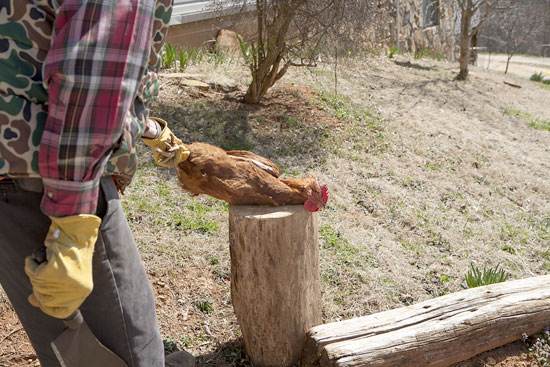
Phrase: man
(75,79)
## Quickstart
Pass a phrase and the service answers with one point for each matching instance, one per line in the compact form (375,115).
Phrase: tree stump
(275,286)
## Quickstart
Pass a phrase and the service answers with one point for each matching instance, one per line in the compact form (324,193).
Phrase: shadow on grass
(409,64)
(230,125)
(229,354)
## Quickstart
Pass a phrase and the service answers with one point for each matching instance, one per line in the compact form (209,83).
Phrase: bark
(465,38)
(473,53)
(267,67)
(507,63)
(275,281)
(437,332)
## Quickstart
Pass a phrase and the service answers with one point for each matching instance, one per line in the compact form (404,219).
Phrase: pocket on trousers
(108,195)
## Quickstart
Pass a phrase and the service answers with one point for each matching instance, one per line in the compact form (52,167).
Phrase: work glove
(167,149)
(62,283)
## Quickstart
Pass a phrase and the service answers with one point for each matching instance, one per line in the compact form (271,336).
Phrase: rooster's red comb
(324,192)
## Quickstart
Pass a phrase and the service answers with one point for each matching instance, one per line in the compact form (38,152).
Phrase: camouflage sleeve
(97,57)
(149,88)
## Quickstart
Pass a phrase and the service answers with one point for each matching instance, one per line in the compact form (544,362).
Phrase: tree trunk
(252,95)
(473,52)
(266,70)
(507,63)
(262,80)
(275,285)
(465,37)
(437,332)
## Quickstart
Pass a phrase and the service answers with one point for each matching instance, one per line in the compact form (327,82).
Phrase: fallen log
(437,332)
(275,285)
(512,84)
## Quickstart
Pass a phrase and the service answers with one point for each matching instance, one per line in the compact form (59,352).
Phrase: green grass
(185,223)
(515,112)
(535,122)
(419,54)
(179,58)
(362,133)
(170,345)
(478,278)
(543,86)
(537,77)
(540,124)
(341,107)
(394,51)
(337,244)
(517,234)
(204,306)
(288,122)
(540,80)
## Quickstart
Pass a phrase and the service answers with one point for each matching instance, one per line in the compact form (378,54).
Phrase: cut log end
(262,212)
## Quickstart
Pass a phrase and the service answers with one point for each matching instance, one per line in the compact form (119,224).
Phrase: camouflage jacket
(24,98)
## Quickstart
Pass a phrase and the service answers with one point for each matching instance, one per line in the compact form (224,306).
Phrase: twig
(512,85)
(11,333)
(336,72)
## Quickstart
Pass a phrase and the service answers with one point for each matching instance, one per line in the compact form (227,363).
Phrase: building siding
(187,11)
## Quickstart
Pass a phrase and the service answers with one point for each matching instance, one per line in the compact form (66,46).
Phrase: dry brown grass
(427,175)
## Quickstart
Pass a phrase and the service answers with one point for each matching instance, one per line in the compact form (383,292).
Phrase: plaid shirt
(98,54)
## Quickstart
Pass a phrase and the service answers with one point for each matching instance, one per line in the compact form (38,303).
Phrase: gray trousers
(121,309)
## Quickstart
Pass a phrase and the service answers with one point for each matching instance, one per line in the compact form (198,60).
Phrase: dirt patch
(15,347)
(511,355)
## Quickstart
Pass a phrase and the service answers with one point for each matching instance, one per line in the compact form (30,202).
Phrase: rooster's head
(317,198)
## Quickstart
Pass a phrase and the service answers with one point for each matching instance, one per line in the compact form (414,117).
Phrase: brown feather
(210,170)
(254,157)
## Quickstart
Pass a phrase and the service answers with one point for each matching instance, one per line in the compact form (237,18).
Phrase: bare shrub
(295,33)
(515,30)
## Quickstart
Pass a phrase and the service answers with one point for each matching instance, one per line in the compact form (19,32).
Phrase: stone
(227,41)
(183,76)
(194,84)
(222,83)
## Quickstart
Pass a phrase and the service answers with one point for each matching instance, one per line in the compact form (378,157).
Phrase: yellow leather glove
(167,149)
(62,283)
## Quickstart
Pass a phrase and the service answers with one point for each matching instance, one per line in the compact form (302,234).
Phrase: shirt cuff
(63,198)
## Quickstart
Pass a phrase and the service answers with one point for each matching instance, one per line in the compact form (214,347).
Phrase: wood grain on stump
(275,286)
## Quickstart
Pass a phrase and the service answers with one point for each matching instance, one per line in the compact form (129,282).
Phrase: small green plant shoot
(537,77)
(539,347)
(394,51)
(478,278)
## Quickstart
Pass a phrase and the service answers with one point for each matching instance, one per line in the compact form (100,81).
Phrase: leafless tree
(473,14)
(295,32)
(524,29)
(515,30)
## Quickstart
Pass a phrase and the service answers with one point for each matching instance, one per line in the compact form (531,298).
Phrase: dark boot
(180,359)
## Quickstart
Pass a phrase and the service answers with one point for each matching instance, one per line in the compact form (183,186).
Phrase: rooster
(244,178)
